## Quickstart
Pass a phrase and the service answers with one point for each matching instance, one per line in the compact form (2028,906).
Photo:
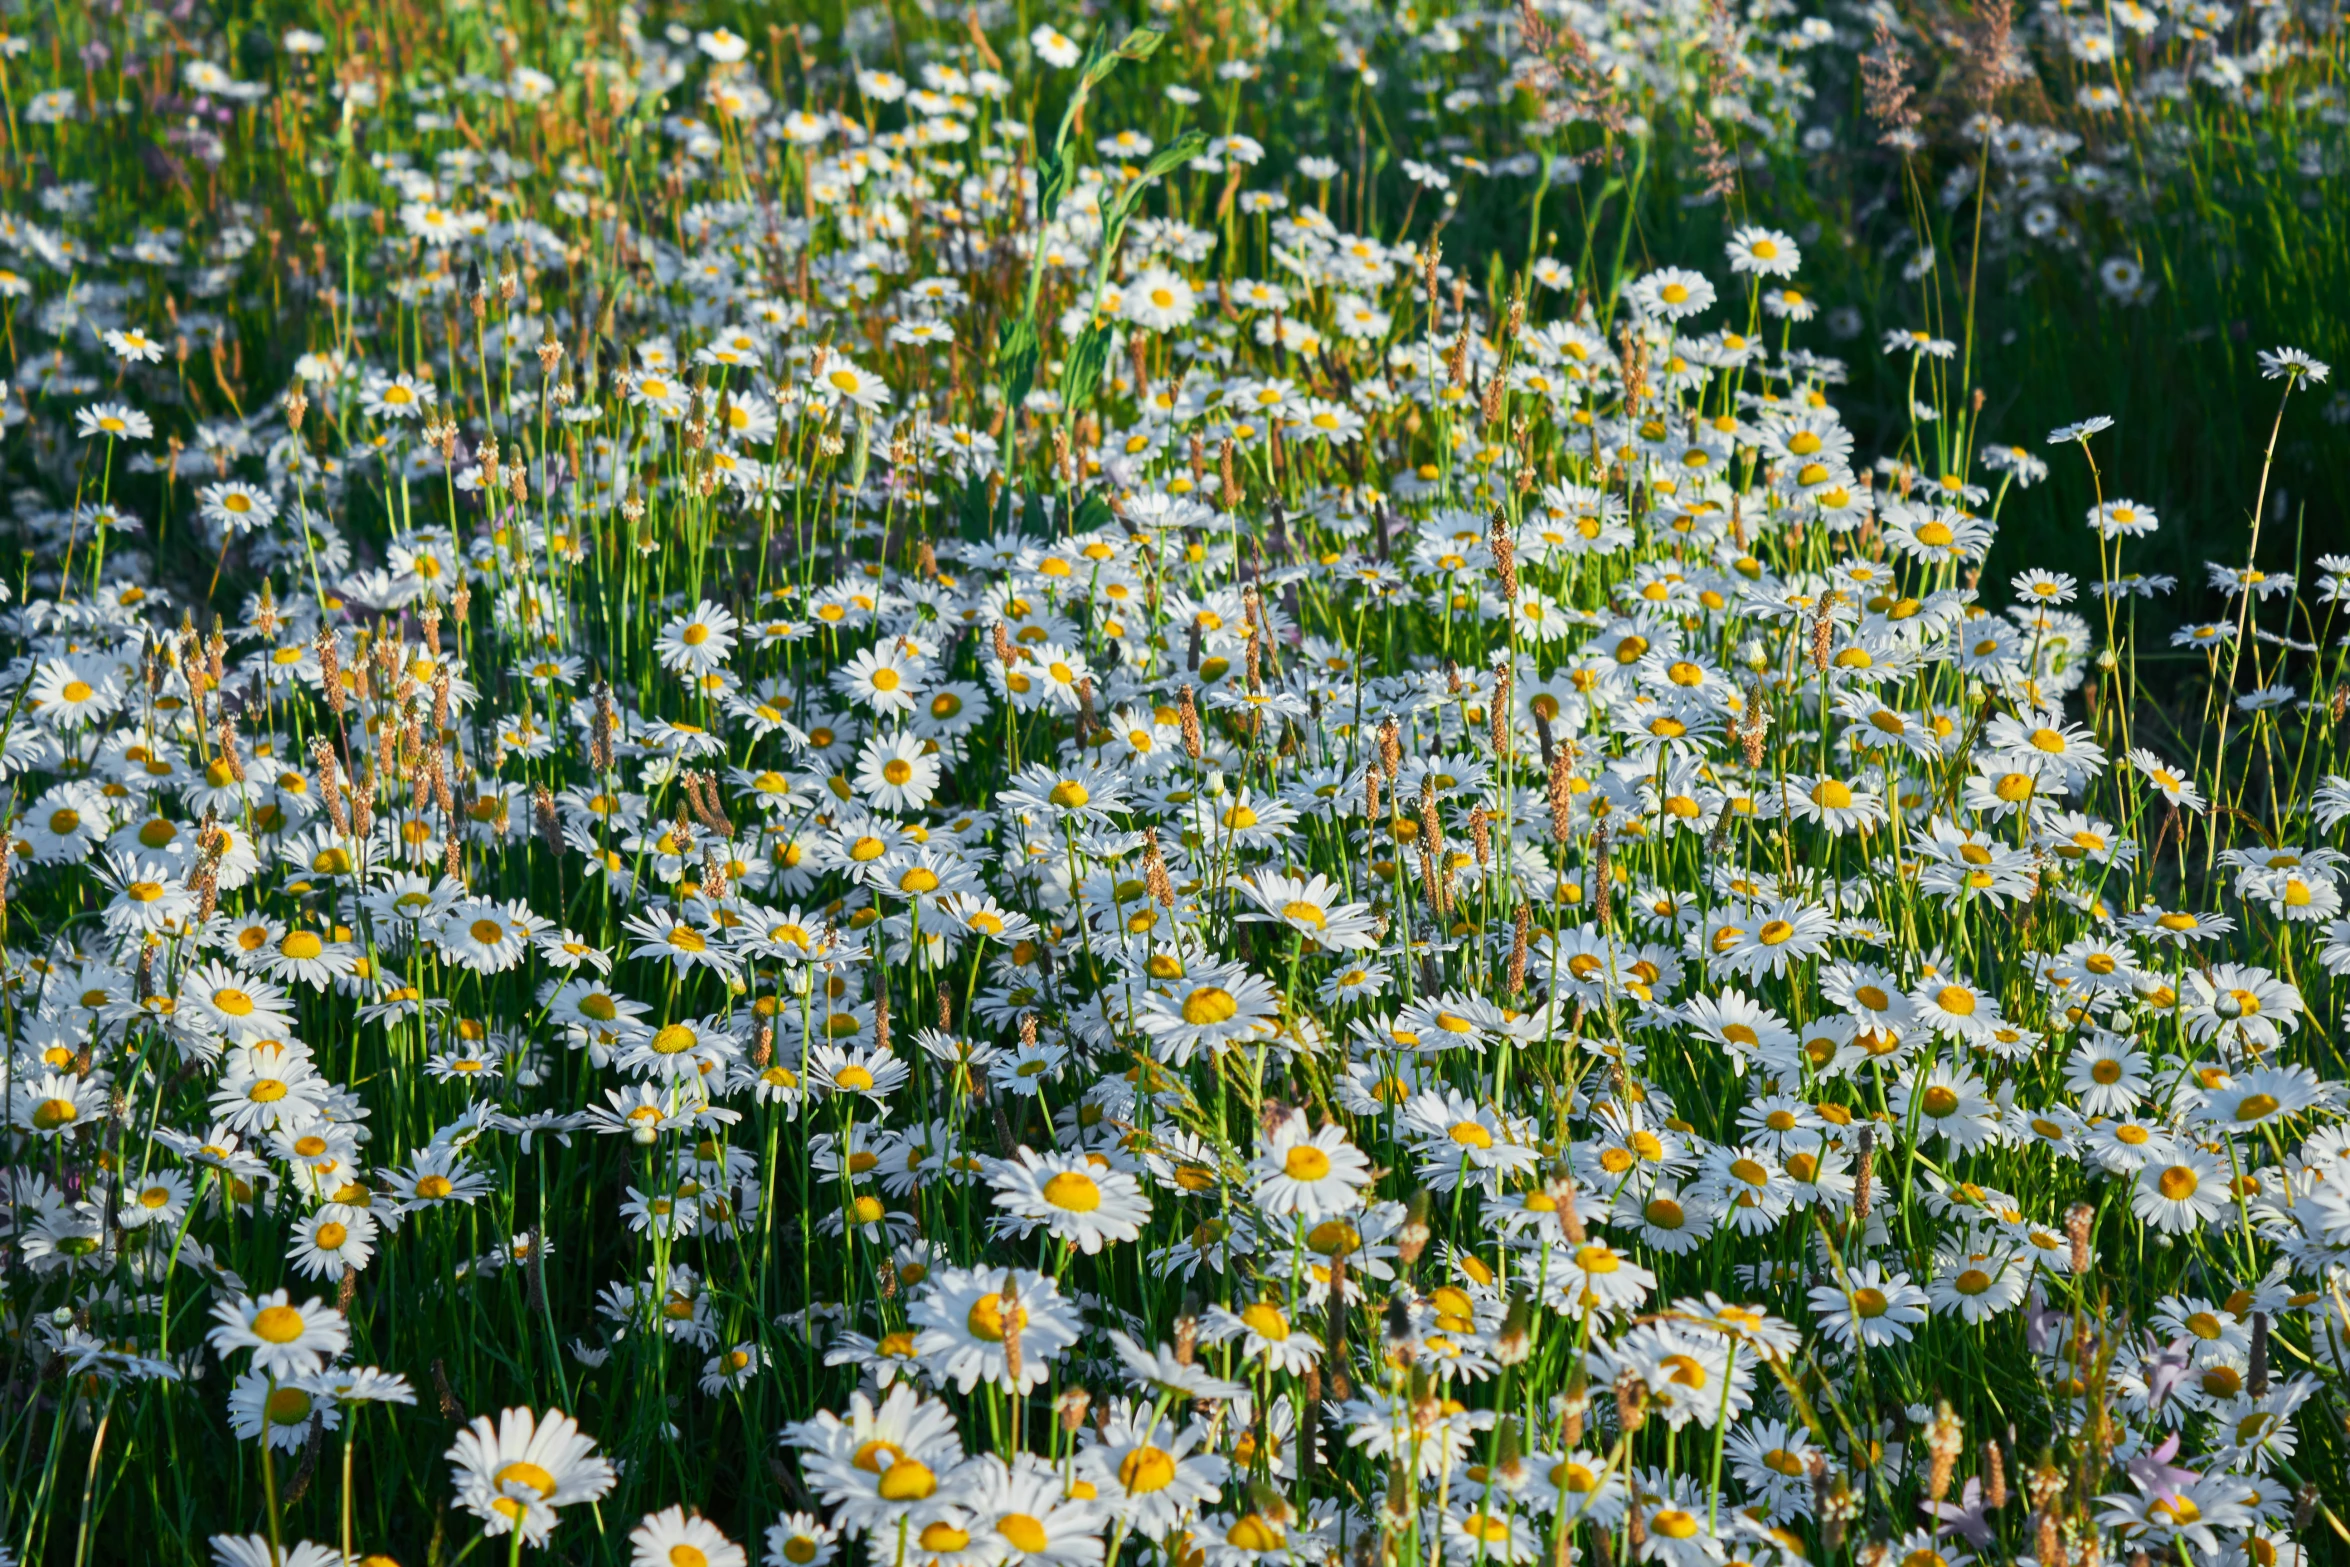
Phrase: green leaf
(1140,44)
(1093,512)
(1015,357)
(1052,182)
(1081,370)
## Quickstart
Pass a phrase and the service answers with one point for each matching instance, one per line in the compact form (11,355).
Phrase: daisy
(134,346)
(2169,784)
(55,1103)
(397,397)
(971,1324)
(260,1403)
(838,380)
(898,773)
(1766,253)
(1212,1009)
(236,507)
(286,1340)
(306,957)
(485,937)
(879,1466)
(2180,1191)
(1072,1197)
(515,1473)
(880,678)
(697,643)
(1056,48)
(1312,1176)
(336,1237)
(1595,1276)
(1977,1285)
(113,422)
(800,1540)
(1152,1472)
(149,897)
(1158,300)
(1872,1308)
(1309,908)
(686,946)
(677,1538)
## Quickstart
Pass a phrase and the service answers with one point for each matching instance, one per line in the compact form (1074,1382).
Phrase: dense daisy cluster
(898,804)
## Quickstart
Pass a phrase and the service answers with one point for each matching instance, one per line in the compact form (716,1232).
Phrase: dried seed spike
(1562,798)
(1194,745)
(2077,1222)
(1521,919)
(1500,724)
(1944,1439)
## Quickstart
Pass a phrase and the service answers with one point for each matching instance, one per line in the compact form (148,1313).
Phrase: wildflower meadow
(1180,783)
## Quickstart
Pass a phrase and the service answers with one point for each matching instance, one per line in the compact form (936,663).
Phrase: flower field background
(1249,784)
